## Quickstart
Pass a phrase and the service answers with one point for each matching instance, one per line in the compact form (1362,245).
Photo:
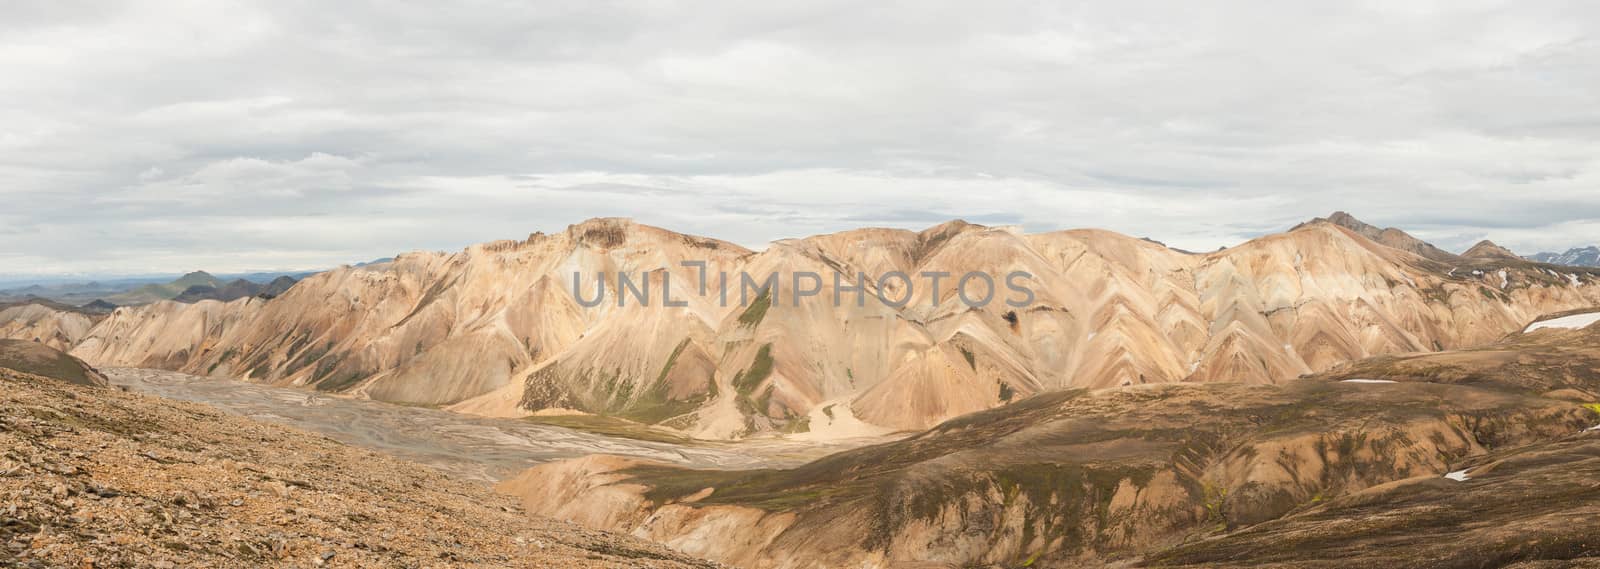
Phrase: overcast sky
(169,136)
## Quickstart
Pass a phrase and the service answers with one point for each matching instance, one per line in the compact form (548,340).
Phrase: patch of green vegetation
(226,355)
(610,426)
(671,360)
(655,404)
(757,311)
(800,424)
(1006,393)
(331,376)
(745,381)
(972,360)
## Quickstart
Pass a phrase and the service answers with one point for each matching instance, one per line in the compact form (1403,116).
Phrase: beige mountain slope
(96,477)
(497,329)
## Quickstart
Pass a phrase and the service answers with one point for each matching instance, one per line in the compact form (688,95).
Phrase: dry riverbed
(464,446)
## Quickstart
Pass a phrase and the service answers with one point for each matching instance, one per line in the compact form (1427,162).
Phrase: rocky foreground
(96,477)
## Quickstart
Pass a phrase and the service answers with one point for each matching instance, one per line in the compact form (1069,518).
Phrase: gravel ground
(97,477)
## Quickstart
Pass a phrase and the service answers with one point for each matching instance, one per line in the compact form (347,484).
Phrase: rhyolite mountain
(496,329)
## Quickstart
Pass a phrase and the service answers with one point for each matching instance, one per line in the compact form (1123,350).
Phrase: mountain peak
(1344,219)
(1387,236)
(1487,249)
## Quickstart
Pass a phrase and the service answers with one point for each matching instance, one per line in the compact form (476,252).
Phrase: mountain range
(190,287)
(498,329)
(1574,257)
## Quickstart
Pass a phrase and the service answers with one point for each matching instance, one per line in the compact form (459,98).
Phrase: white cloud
(172,136)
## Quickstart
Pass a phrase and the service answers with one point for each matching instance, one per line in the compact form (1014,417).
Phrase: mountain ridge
(497,328)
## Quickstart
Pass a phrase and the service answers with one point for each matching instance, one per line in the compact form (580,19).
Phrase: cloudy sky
(163,137)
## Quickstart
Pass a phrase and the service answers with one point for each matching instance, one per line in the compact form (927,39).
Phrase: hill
(1348,467)
(39,359)
(1064,479)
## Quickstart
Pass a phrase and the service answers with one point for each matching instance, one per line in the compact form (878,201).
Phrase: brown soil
(96,477)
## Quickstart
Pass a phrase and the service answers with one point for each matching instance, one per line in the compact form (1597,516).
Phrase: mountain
(99,477)
(1575,257)
(1316,472)
(276,287)
(1486,249)
(497,329)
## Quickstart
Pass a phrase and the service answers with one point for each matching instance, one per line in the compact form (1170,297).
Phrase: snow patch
(1458,476)
(1574,322)
(1574,279)
(1505,280)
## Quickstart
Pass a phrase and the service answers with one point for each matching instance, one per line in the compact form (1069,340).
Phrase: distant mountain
(166,291)
(234,290)
(99,306)
(1574,257)
(277,287)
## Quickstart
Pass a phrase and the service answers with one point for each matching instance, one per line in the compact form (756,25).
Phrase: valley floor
(464,446)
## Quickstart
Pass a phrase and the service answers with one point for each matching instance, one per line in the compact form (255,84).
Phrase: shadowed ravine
(463,446)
